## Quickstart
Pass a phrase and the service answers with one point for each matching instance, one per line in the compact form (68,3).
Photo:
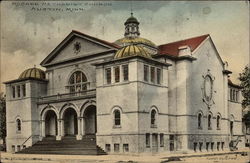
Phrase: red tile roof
(97,39)
(172,48)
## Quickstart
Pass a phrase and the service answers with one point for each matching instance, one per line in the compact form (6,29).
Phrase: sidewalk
(220,156)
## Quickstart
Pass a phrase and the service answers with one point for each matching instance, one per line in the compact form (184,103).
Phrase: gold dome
(131,50)
(32,73)
(138,40)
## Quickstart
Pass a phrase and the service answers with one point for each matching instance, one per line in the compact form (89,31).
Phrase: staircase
(67,146)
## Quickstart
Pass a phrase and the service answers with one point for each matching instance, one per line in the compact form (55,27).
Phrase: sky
(30,30)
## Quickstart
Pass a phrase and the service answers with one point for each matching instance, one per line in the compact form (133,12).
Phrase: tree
(245,84)
(2,117)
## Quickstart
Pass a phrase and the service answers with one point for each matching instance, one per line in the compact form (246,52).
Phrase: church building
(129,96)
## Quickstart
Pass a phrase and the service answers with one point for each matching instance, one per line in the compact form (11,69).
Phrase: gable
(77,45)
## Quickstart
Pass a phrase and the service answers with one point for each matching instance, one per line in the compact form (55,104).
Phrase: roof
(131,50)
(134,40)
(32,73)
(172,48)
(233,85)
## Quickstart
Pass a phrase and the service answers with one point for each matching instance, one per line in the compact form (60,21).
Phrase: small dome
(131,50)
(131,19)
(32,73)
(129,40)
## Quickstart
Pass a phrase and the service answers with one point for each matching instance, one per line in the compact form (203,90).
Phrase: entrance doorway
(50,123)
(90,120)
(70,122)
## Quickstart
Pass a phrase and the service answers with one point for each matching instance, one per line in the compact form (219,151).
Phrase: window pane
(24,90)
(108,75)
(107,147)
(125,148)
(152,73)
(145,72)
(161,140)
(13,92)
(158,76)
(117,74)
(18,91)
(117,117)
(147,140)
(125,72)
(75,81)
(116,147)
(153,112)
(199,121)
(18,123)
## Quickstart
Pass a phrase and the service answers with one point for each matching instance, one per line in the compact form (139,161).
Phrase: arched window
(77,82)
(117,117)
(18,125)
(199,121)
(218,122)
(209,121)
(153,118)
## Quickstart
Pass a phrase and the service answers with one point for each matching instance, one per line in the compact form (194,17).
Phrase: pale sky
(29,34)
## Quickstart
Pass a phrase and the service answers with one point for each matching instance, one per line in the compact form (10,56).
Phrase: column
(62,127)
(42,125)
(58,136)
(79,135)
(83,126)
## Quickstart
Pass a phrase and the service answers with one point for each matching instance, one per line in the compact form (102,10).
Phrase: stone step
(68,145)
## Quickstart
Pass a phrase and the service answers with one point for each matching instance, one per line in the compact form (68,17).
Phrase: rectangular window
(195,146)
(231,94)
(108,75)
(107,147)
(145,72)
(152,74)
(13,148)
(125,148)
(125,72)
(13,92)
(218,146)
(116,147)
(212,146)
(207,146)
(161,140)
(18,148)
(117,74)
(147,140)
(18,91)
(24,90)
(236,96)
(158,76)
(200,146)
(222,145)
(171,142)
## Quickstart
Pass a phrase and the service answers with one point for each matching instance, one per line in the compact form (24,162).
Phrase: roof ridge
(185,39)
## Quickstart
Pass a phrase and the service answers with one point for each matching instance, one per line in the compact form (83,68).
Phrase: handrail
(26,140)
(67,95)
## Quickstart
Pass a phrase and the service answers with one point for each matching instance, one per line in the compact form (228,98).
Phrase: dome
(131,50)
(32,73)
(131,19)
(128,40)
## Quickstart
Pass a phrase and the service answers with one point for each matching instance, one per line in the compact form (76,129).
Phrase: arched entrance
(70,122)
(50,123)
(90,120)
